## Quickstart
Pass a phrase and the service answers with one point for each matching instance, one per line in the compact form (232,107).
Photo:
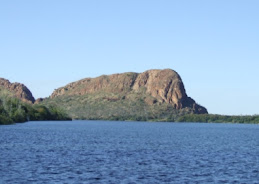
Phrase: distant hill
(16,105)
(151,95)
(18,90)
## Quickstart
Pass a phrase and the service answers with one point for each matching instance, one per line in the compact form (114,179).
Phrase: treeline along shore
(13,110)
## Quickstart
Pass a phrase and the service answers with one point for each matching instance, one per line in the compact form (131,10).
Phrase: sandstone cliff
(157,86)
(18,90)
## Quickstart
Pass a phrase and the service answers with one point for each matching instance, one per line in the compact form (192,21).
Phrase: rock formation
(164,86)
(39,100)
(18,90)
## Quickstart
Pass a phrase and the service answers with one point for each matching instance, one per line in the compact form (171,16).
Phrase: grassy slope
(130,106)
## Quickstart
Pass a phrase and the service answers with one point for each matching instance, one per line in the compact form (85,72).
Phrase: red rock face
(19,90)
(165,86)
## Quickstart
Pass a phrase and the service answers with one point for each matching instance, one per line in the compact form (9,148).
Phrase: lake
(128,152)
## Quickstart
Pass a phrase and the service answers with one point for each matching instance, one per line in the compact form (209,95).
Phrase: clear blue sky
(212,44)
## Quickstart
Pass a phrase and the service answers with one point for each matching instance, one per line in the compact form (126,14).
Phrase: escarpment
(151,88)
(18,90)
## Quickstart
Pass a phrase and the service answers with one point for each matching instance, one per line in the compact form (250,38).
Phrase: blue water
(128,152)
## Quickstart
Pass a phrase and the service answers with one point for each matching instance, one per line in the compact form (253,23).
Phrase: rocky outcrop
(115,83)
(39,100)
(164,86)
(18,90)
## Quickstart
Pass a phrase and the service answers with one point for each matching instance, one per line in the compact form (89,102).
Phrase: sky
(213,45)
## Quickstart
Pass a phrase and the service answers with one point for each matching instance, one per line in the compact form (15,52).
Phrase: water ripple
(128,152)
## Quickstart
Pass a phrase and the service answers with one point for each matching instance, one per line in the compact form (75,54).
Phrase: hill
(18,90)
(16,105)
(151,95)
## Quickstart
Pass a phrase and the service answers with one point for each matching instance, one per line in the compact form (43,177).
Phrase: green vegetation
(214,118)
(13,110)
(133,107)
(116,106)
